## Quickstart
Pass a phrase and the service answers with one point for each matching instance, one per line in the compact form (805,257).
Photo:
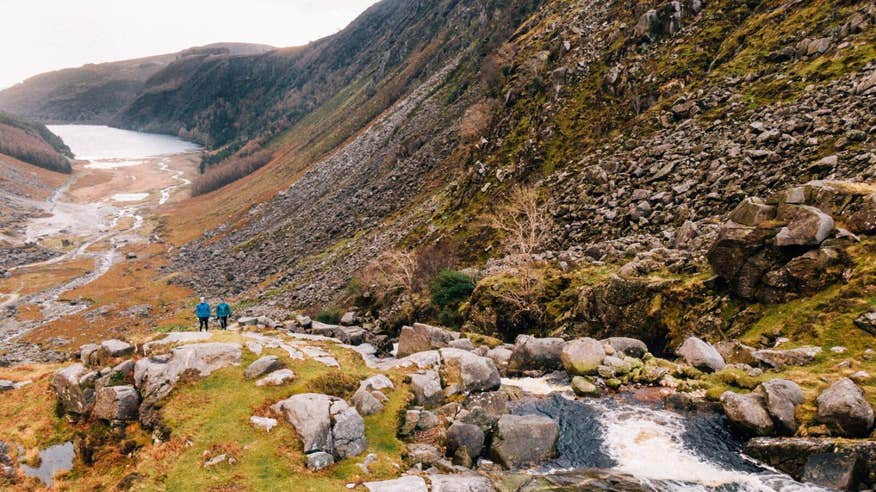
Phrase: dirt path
(98,211)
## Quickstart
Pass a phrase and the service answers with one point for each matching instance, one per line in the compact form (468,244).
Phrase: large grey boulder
(465,442)
(324,423)
(351,335)
(748,413)
(117,403)
(426,386)
(781,397)
(501,356)
(845,410)
(524,440)
(403,484)
(366,402)
(536,354)
(174,337)
(460,483)
(155,377)
(422,337)
(471,371)
(263,366)
(582,356)
(806,226)
(74,386)
(701,355)
(116,348)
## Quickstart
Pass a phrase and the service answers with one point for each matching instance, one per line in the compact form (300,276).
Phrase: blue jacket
(202,310)
(223,310)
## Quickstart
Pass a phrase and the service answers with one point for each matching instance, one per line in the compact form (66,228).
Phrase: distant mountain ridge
(95,93)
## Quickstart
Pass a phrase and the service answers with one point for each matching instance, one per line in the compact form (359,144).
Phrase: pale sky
(41,35)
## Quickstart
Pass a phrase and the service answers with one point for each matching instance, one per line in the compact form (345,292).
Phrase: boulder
(426,386)
(845,410)
(117,403)
(277,378)
(867,321)
(735,352)
(366,403)
(6,385)
(472,372)
(318,460)
(779,359)
(701,355)
(806,226)
(422,337)
(752,212)
(265,423)
(403,484)
(781,397)
(324,423)
(465,442)
(116,348)
(350,335)
(524,440)
(422,454)
(501,356)
(74,386)
(173,338)
(584,387)
(494,403)
(628,346)
(748,413)
(263,366)
(536,354)
(462,344)
(838,464)
(377,382)
(85,352)
(582,356)
(460,483)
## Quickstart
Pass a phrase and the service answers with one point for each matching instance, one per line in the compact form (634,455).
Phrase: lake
(100,143)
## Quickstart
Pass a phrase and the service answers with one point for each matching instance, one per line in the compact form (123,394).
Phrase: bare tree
(393,270)
(525,224)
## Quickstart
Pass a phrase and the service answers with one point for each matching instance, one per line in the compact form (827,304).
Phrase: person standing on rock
(223,311)
(202,311)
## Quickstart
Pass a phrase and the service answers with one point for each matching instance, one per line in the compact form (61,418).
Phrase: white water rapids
(660,449)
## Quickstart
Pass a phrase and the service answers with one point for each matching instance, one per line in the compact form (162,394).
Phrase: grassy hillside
(33,143)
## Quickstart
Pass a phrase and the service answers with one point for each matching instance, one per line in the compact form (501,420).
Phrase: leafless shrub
(522,221)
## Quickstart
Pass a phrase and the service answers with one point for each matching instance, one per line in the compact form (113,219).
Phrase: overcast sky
(41,35)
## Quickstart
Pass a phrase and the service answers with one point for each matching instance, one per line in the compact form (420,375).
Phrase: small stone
(584,387)
(318,460)
(265,423)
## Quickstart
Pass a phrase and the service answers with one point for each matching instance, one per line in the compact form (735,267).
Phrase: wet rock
(263,366)
(701,355)
(426,386)
(465,442)
(324,423)
(782,358)
(834,463)
(536,354)
(472,372)
(403,484)
(582,356)
(74,386)
(584,387)
(782,397)
(422,337)
(495,403)
(277,378)
(524,440)
(117,403)
(845,410)
(748,413)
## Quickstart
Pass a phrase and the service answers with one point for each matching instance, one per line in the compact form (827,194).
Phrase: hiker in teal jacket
(202,311)
(223,311)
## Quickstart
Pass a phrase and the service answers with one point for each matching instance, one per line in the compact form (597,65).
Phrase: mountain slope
(94,93)
(33,143)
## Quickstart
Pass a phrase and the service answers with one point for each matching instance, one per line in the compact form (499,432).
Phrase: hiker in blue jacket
(202,311)
(223,311)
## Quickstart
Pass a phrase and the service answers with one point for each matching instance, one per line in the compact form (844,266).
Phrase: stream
(621,440)
(123,155)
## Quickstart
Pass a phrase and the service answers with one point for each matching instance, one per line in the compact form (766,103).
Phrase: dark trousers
(223,322)
(203,323)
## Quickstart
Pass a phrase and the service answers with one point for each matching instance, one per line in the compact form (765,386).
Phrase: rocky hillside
(95,93)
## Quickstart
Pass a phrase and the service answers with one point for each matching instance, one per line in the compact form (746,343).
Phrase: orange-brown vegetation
(30,148)
(230,170)
(36,279)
